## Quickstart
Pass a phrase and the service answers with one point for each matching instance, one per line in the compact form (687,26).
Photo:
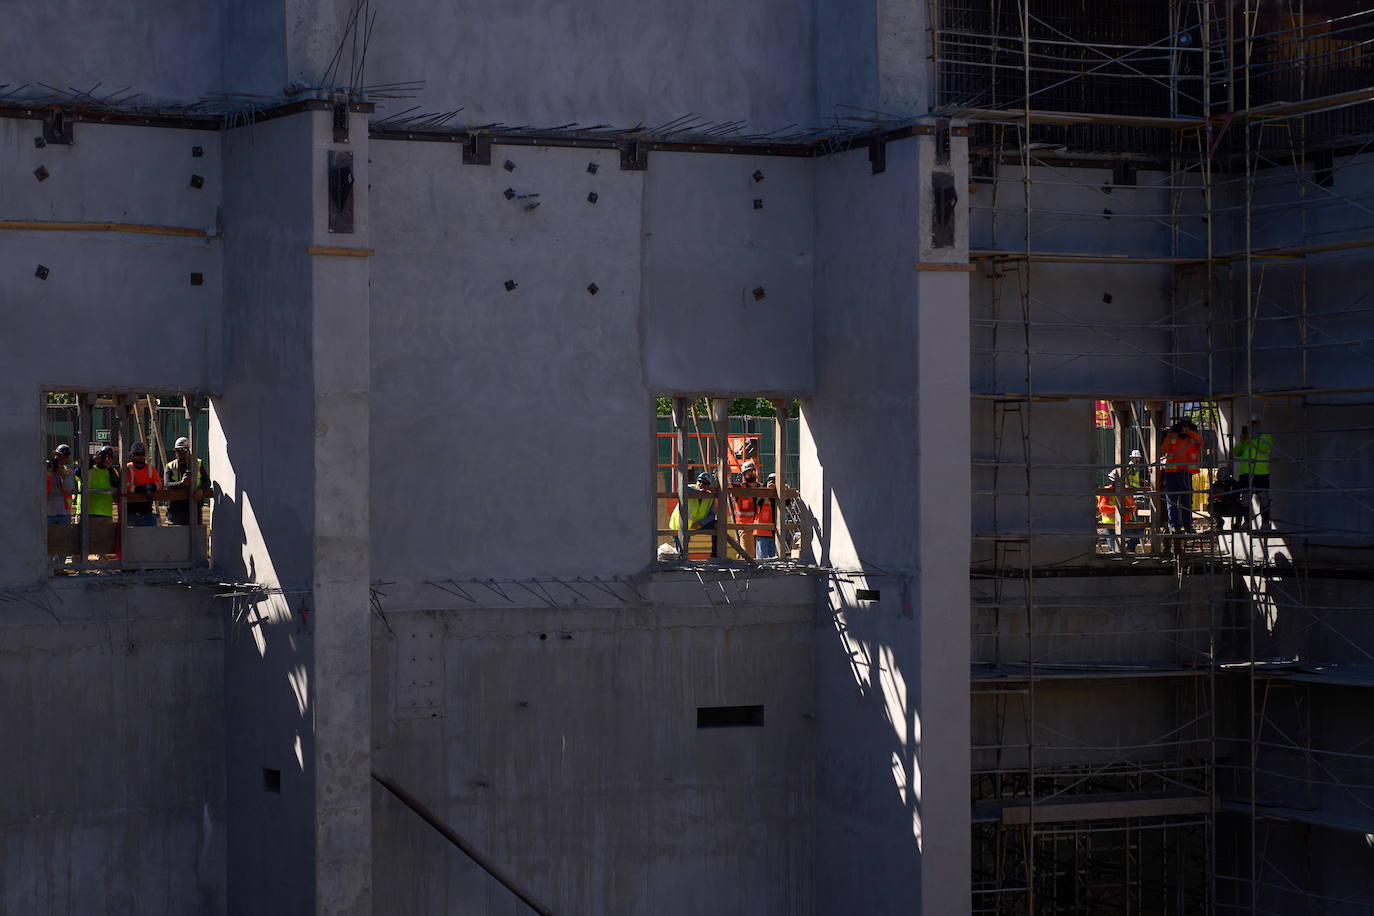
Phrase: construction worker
(184,472)
(1252,452)
(701,512)
(1107,499)
(103,475)
(1180,455)
(1225,499)
(61,486)
(757,509)
(765,544)
(141,481)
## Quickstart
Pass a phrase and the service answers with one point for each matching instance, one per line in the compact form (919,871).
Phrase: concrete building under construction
(455,304)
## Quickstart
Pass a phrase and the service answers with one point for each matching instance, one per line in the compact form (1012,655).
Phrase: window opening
(706,442)
(1159,467)
(126,484)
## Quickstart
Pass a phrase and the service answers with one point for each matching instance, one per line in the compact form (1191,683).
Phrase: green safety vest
(1253,457)
(101,504)
(697,510)
(1135,475)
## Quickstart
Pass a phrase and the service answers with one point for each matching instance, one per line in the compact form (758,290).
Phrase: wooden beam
(46,225)
(781,410)
(953,268)
(1099,808)
(335,252)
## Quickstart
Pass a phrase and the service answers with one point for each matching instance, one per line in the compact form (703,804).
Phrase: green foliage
(739,407)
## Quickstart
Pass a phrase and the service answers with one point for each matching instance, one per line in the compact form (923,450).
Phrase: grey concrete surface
(263,452)
(114,752)
(341,550)
(165,49)
(603,62)
(892,739)
(563,743)
(700,212)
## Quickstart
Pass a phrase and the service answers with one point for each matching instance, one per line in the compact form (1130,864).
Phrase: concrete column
(343,681)
(885,472)
(941,587)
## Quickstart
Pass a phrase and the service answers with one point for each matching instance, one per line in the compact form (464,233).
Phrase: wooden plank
(36,225)
(720,428)
(1089,808)
(780,417)
(1019,115)
(953,268)
(332,251)
(680,461)
(84,435)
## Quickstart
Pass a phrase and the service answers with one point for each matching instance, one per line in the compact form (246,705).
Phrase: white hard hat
(1135,453)
(182,442)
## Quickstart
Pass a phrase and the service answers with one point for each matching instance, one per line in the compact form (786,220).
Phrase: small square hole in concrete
(271,780)
(729,716)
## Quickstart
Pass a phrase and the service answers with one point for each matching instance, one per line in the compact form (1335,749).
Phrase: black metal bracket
(476,149)
(340,191)
(944,198)
(942,141)
(340,122)
(57,128)
(877,155)
(634,156)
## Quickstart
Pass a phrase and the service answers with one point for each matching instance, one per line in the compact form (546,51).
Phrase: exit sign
(104,435)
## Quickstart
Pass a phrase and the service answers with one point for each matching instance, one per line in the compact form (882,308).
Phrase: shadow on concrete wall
(267,684)
(868,760)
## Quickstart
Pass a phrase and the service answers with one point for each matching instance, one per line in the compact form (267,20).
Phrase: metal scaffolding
(1228,125)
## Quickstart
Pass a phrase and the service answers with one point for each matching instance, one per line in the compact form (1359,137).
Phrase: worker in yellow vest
(1252,453)
(701,512)
(103,475)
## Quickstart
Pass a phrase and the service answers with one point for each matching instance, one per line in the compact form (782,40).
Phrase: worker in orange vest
(1180,455)
(757,509)
(1107,500)
(141,481)
(765,545)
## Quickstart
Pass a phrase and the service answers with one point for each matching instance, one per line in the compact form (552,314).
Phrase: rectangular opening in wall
(867,594)
(1157,469)
(729,716)
(271,780)
(736,463)
(125,485)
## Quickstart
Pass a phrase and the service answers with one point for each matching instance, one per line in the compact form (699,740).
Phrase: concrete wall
(513,429)
(115,762)
(890,407)
(117,777)
(562,742)
(166,50)
(100,285)
(602,62)
(262,447)
(707,249)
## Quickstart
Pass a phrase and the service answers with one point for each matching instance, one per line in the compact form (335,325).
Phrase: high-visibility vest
(1135,476)
(1252,456)
(1182,453)
(1106,508)
(697,510)
(137,477)
(764,516)
(101,504)
(66,494)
